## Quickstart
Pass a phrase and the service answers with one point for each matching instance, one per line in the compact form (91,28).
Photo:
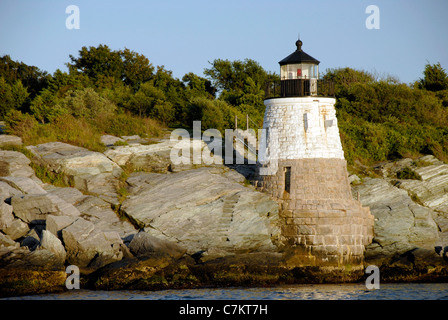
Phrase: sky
(185,36)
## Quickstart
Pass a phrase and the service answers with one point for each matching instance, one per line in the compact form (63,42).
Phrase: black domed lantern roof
(299,56)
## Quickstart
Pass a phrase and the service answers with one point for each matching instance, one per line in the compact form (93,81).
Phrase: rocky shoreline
(130,219)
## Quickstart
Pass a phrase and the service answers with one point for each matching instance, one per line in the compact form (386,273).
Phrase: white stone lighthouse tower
(321,222)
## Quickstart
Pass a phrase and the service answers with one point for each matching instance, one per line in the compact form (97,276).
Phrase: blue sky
(185,35)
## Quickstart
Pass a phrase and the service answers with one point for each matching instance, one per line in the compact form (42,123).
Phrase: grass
(119,143)
(421,163)
(17,148)
(80,132)
(59,179)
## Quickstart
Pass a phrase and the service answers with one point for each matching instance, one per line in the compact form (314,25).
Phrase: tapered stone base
(321,222)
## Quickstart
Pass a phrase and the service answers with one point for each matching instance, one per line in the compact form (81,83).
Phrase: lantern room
(299,73)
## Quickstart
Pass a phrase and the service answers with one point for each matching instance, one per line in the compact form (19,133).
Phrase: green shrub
(408,173)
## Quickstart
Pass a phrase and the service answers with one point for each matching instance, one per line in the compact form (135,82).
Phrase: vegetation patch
(408,173)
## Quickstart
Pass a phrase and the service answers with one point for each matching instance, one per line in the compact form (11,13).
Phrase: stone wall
(321,224)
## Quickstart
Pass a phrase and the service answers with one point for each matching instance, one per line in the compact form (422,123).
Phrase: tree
(198,86)
(33,79)
(12,97)
(231,75)
(241,84)
(102,64)
(97,61)
(136,68)
(435,78)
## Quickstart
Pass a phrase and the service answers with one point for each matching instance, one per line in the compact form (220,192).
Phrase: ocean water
(400,291)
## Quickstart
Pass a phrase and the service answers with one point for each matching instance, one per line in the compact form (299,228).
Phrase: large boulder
(22,257)
(23,185)
(6,241)
(16,164)
(55,224)
(70,195)
(88,247)
(144,244)
(36,207)
(400,223)
(16,229)
(100,213)
(6,191)
(203,210)
(152,157)
(109,140)
(51,243)
(91,171)
(431,189)
(6,216)
(10,140)
(426,182)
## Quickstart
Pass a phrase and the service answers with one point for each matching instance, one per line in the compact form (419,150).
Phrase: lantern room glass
(299,71)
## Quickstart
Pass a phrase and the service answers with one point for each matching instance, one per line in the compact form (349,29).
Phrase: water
(401,291)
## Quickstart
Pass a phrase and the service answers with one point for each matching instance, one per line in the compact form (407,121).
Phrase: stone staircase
(227,217)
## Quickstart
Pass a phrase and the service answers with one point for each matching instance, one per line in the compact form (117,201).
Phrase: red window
(299,72)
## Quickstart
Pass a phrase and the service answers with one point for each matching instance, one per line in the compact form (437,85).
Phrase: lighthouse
(321,223)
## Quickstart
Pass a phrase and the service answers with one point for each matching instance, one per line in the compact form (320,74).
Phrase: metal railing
(299,88)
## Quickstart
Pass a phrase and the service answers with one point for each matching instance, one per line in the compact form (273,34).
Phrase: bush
(86,103)
(213,114)
(384,120)
(66,129)
(408,173)
(126,124)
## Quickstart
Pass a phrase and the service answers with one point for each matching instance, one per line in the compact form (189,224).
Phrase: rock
(36,207)
(51,243)
(109,140)
(16,164)
(153,157)
(6,191)
(6,140)
(91,171)
(145,244)
(7,241)
(100,213)
(441,218)
(55,224)
(23,184)
(400,224)
(84,245)
(16,229)
(69,195)
(17,258)
(103,185)
(73,160)
(6,216)
(354,179)
(431,190)
(203,210)
(74,236)
(135,139)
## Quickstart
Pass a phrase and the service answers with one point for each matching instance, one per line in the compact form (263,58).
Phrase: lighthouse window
(287,179)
